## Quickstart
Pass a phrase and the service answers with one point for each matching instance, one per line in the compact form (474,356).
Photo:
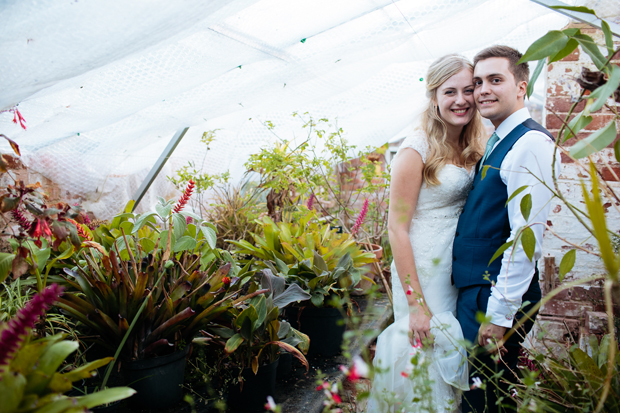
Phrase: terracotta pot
(371,273)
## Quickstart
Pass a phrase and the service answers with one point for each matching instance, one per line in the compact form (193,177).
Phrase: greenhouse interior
(203,204)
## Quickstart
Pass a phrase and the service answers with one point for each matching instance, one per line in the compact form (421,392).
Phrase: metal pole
(582,17)
(163,158)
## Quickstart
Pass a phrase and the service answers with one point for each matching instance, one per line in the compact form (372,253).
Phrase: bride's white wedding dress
(401,388)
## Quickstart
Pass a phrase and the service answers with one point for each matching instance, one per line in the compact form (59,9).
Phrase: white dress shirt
(533,152)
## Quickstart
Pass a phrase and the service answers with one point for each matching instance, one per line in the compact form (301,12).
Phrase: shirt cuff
(502,311)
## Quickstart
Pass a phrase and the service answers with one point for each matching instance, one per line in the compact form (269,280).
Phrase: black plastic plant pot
(285,365)
(322,325)
(157,381)
(256,388)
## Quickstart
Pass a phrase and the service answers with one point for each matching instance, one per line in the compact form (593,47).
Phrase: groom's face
(496,92)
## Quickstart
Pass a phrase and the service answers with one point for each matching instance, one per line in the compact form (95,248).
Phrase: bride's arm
(404,190)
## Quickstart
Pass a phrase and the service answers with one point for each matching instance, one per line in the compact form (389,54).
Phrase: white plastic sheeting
(104,84)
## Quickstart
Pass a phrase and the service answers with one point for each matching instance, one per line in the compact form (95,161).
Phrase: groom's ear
(522,89)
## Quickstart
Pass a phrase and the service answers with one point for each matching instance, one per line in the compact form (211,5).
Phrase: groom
(498,289)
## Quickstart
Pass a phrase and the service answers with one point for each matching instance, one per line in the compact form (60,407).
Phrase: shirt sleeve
(533,152)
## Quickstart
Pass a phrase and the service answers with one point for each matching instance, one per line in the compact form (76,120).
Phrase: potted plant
(149,294)
(323,263)
(30,379)
(254,338)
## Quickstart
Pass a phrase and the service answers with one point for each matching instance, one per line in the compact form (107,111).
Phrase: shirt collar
(512,122)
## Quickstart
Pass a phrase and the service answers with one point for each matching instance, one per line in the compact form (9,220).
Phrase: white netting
(105,84)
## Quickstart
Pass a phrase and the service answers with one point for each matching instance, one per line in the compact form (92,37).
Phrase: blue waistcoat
(484,226)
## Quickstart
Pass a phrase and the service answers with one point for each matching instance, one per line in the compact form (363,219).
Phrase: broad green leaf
(185,243)
(539,68)
(591,48)
(142,220)
(568,49)
(12,390)
(548,45)
(575,125)
(6,260)
(292,294)
(105,396)
(233,343)
(609,40)
(528,241)
(580,9)
(148,245)
(617,151)
(163,210)
(281,265)
(595,142)
(603,93)
(129,206)
(179,225)
(500,251)
(526,206)
(47,365)
(261,311)
(603,353)
(317,299)
(515,193)
(567,263)
(210,235)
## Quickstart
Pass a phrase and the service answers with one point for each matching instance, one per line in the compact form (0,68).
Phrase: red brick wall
(581,309)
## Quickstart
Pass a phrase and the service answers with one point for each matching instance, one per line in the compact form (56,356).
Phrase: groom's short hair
(521,72)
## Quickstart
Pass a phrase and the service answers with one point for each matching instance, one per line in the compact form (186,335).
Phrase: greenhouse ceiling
(104,85)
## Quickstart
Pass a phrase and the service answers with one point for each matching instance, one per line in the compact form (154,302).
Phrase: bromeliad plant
(161,286)
(256,335)
(310,254)
(30,379)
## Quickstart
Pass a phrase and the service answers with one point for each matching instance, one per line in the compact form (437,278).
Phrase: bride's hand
(419,326)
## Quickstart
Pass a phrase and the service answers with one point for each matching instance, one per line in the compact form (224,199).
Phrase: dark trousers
(470,301)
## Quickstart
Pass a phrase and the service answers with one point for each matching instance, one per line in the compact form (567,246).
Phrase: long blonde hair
(435,129)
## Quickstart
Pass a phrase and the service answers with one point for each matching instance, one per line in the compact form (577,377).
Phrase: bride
(420,361)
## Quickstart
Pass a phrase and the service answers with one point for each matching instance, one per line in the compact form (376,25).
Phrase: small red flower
(336,398)
(409,290)
(40,228)
(226,281)
(80,230)
(404,374)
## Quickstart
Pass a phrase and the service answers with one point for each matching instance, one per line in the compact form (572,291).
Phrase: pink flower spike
(409,290)
(310,202)
(24,320)
(360,218)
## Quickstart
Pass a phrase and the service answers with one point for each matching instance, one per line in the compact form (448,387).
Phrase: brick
(599,121)
(554,122)
(563,105)
(608,175)
(574,309)
(555,329)
(596,322)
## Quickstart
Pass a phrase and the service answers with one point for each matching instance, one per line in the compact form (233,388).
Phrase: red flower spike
(185,197)
(24,320)
(80,230)
(19,217)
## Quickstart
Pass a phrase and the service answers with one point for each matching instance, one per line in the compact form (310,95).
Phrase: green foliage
(310,254)
(33,381)
(256,335)
(571,381)
(567,263)
(233,213)
(169,284)
(325,166)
